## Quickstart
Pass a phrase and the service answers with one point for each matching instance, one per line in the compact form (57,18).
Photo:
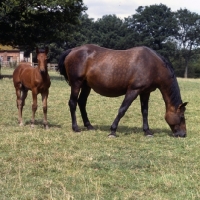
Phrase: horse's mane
(168,65)
(174,88)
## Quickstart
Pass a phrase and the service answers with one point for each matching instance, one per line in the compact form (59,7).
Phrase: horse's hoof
(112,136)
(77,130)
(151,135)
(32,125)
(21,124)
(90,127)
(148,133)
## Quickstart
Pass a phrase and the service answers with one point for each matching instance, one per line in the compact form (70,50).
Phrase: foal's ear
(46,50)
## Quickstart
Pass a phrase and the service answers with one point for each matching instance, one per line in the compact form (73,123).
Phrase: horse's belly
(108,93)
(108,90)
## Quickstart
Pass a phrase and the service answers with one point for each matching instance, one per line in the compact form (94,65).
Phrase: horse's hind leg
(72,105)
(130,96)
(82,100)
(144,100)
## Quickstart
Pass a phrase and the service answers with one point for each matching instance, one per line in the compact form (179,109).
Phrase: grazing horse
(26,77)
(111,73)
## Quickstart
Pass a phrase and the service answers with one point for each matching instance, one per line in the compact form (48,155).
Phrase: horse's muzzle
(180,134)
(42,71)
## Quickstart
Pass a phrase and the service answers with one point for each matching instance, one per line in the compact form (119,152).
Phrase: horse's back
(111,72)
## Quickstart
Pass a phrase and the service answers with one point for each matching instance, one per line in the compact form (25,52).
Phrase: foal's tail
(61,64)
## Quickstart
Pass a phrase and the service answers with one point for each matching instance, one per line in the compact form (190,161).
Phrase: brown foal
(26,77)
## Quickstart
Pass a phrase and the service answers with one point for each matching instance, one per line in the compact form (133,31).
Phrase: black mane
(174,88)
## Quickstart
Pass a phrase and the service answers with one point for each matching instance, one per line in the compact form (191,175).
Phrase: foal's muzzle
(42,71)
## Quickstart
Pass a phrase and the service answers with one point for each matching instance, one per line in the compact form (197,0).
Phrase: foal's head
(176,121)
(42,59)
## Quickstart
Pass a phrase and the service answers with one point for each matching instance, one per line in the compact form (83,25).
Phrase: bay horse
(36,79)
(112,73)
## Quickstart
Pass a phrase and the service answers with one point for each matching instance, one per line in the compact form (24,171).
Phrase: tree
(109,32)
(83,33)
(187,39)
(154,25)
(29,22)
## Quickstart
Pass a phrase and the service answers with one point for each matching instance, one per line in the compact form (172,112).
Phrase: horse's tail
(61,64)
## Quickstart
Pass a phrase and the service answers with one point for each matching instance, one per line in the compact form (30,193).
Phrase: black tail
(61,64)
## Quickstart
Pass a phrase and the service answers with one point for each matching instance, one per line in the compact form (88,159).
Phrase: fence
(13,64)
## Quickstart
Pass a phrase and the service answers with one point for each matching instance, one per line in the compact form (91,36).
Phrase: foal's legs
(82,100)
(21,96)
(44,104)
(130,96)
(144,100)
(75,89)
(34,106)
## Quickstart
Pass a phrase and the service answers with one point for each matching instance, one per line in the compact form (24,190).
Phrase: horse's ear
(46,50)
(182,106)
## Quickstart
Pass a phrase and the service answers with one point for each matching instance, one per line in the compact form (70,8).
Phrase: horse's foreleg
(144,100)
(44,104)
(72,105)
(82,100)
(34,107)
(130,96)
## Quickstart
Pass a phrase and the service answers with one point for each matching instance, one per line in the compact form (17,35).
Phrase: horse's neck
(171,95)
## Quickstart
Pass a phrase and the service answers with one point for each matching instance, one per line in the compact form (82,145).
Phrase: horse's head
(176,121)
(42,59)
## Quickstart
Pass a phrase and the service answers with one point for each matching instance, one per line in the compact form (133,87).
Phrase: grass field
(40,164)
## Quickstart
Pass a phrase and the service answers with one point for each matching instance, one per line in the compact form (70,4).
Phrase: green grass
(60,164)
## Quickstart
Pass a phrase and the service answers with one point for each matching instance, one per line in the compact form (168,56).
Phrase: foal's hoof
(32,125)
(46,127)
(21,124)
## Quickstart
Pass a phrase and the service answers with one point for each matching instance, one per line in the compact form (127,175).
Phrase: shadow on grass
(5,76)
(40,123)
(127,130)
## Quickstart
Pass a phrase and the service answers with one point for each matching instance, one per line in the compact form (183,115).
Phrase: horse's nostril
(42,71)
(180,135)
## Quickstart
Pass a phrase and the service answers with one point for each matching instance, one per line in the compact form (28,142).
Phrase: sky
(125,8)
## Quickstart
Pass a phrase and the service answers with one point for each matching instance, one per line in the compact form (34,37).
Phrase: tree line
(65,24)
